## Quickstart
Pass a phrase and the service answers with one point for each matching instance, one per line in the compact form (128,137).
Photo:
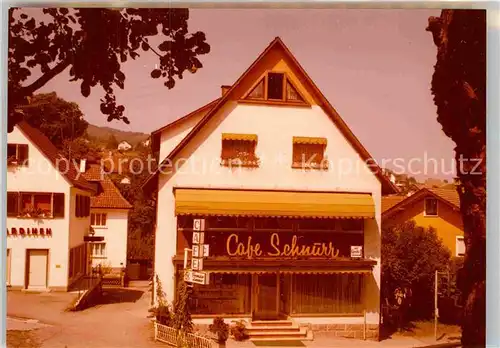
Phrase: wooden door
(37,268)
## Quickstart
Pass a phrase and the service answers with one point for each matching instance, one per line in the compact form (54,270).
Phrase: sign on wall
(196,277)
(356,251)
(33,231)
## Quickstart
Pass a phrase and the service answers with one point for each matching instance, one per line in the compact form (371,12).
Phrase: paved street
(120,321)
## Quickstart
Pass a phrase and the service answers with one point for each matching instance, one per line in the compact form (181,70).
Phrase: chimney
(224,89)
(83,163)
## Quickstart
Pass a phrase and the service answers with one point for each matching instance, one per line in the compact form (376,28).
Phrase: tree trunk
(459,89)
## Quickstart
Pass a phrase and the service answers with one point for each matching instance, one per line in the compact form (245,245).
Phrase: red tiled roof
(449,195)
(108,196)
(390,201)
(52,154)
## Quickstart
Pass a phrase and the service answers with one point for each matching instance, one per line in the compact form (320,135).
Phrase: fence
(173,338)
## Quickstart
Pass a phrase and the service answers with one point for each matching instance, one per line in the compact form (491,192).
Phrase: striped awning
(309,140)
(241,137)
(289,271)
(213,202)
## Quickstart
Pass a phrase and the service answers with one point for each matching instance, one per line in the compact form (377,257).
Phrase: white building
(283,232)
(109,219)
(124,146)
(48,214)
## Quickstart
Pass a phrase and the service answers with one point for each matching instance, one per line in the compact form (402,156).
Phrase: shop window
(309,153)
(431,207)
(227,222)
(273,224)
(327,293)
(17,154)
(460,246)
(98,250)
(316,224)
(226,294)
(352,225)
(98,219)
(239,151)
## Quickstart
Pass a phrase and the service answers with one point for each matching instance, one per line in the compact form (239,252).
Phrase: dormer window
(275,87)
(309,153)
(239,150)
(17,154)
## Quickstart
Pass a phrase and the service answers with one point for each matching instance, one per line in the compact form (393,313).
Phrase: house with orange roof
(48,214)
(109,212)
(429,207)
(291,236)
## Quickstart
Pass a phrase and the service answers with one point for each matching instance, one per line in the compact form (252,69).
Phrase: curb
(442,345)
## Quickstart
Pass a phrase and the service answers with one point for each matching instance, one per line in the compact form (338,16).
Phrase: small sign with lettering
(356,251)
(196,277)
(206,250)
(198,237)
(197,264)
(197,250)
(199,225)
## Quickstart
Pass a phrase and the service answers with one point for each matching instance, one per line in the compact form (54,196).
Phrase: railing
(174,338)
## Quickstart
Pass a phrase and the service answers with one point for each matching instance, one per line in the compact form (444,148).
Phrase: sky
(374,66)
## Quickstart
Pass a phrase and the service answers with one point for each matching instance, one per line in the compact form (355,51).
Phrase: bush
(239,331)
(410,257)
(220,328)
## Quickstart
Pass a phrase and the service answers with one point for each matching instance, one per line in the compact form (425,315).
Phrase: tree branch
(49,75)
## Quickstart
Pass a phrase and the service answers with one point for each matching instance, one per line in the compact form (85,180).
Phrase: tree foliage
(112,143)
(410,257)
(94,43)
(459,89)
(182,317)
(81,148)
(58,119)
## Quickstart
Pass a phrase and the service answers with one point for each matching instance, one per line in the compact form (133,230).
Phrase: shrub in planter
(239,331)
(220,329)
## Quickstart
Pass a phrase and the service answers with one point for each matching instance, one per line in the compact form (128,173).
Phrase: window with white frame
(98,249)
(431,207)
(460,246)
(98,219)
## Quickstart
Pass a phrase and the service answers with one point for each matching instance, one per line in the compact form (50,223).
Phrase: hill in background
(101,135)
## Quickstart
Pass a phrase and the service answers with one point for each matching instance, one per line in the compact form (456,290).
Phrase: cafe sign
(275,248)
(29,231)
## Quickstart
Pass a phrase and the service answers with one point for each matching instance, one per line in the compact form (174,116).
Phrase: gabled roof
(393,204)
(387,186)
(155,135)
(108,196)
(67,170)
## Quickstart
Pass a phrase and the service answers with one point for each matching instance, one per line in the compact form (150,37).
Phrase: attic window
(275,87)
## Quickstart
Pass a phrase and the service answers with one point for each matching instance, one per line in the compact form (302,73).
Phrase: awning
(309,140)
(243,137)
(273,204)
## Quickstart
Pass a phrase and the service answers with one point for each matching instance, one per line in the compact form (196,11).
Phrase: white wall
(173,135)
(39,176)
(275,127)
(115,236)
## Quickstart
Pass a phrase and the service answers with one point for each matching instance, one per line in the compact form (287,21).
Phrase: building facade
(288,238)
(48,214)
(438,208)
(109,212)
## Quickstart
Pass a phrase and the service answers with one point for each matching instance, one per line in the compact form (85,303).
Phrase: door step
(277,330)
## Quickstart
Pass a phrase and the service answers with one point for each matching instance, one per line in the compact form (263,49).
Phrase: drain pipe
(364,324)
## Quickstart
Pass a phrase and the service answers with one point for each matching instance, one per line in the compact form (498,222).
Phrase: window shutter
(77,206)
(22,154)
(58,205)
(12,203)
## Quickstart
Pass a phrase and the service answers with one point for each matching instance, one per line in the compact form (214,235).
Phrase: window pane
(58,205)
(12,203)
(258,91)
(103,219)
(43,202)
(291,93)
(12,151)
(431,206)
(92,219)
(98,219)
(275,86)
(26,201)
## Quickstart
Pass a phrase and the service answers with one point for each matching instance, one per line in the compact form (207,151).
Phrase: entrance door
(37,269)
(267,297)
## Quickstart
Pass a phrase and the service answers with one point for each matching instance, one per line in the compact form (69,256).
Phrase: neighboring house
(279,229)
(124,146)
(125,180)
(109,219)
(436,207)
(146,142)
(48,214)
